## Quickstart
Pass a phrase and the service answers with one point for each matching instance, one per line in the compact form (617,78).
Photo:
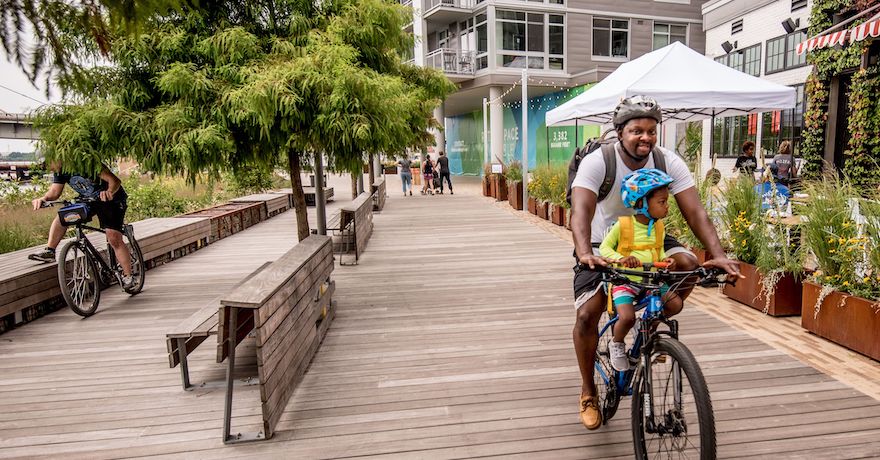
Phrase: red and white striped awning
(857,33)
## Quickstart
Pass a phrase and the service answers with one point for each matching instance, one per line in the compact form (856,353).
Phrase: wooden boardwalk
(452,340)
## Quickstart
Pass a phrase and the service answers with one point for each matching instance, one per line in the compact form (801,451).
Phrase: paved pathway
(452,340)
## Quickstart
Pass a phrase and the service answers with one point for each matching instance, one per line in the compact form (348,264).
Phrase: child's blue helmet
(637,185)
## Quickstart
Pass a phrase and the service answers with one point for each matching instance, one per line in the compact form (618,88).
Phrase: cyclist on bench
(105,198)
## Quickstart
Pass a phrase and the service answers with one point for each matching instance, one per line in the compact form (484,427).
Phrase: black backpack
(607,148)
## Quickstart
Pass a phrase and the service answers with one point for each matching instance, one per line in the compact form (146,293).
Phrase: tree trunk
(354,186)
(372,170)
(299,197)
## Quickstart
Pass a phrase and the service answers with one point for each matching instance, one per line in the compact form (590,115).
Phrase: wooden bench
(379,194)
(273,203)
(29,289)
(229,218)
(290,302)
(355,227)
(185,337)
(311,192)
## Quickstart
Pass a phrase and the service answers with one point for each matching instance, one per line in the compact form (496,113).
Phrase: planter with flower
(768,251)
(677,227)
(499,185)
(841,300)
(540,189)
(415,168)
(514,185)
(487,179)
(558,205)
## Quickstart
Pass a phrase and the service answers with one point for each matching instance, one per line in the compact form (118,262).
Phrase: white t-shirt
(591,173)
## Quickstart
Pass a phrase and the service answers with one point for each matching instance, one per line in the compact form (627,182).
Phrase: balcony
(443,12)
(456,64)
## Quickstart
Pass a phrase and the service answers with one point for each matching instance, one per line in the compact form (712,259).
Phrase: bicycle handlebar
(49,204)
(707,277)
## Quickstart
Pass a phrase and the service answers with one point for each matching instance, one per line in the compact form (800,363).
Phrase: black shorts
(586,280)
(111,214)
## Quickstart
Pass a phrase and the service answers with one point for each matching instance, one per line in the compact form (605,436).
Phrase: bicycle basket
(73,214)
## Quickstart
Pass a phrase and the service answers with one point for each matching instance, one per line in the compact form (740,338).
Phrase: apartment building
(758,37)
(565,45)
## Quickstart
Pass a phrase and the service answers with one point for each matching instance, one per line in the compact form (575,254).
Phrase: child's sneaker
(619,360)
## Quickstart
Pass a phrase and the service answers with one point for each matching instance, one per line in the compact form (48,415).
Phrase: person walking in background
(786,167)
(443,168)
(405,175)
(746,162)
(428,169)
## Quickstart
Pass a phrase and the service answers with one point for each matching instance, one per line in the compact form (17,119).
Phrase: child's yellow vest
(626,245)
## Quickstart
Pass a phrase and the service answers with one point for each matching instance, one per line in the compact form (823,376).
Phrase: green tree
(238,85)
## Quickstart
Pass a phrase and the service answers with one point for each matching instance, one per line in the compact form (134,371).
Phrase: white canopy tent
(686,84)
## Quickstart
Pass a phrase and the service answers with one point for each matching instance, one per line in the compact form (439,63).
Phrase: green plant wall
(862,153)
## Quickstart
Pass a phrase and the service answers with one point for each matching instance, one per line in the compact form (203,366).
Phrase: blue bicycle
(671,408)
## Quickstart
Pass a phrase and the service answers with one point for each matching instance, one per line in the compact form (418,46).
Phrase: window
(536,40)
(442,38)
(611,37)
(782,52)
(746,60)
(784,125)
(736,26)
(665,34)
(482,45)
(730,133)
(798,5)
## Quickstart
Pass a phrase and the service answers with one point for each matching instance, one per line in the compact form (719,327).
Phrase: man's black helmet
(636,107)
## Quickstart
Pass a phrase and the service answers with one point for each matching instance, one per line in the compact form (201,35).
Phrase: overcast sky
(18,95)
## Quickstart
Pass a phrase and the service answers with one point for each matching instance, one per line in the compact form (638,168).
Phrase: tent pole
(547,135)
(576,143)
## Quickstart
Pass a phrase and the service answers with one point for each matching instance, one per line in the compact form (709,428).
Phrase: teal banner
(464,135)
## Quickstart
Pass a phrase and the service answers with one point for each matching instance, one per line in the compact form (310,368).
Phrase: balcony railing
(406,2)
(452,61)
(431,4)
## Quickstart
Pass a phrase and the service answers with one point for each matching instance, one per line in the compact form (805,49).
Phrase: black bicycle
(82,271)
(671,408)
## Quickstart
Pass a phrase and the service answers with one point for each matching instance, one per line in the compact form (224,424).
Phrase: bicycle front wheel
(79,279)
(682,424)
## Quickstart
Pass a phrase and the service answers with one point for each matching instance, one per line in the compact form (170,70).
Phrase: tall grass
(21,227)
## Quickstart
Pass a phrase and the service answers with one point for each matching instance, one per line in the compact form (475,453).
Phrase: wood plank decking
(452,339)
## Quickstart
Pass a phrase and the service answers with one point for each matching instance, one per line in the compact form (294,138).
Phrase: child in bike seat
(633,240)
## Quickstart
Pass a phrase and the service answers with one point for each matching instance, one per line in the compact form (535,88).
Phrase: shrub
(741,217)
(845,249)
(514,171)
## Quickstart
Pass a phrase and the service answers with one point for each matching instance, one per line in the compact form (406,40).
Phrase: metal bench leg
(228,438)
(230,361)
(184,367)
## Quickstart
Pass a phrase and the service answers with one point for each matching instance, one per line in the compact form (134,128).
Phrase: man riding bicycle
(636,121)
(105,198)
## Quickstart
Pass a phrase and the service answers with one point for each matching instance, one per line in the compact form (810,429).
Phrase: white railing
(406,2)
(452,61)
(431,4)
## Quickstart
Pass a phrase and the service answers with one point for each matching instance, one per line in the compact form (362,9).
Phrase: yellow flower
(831,251)
(846,283)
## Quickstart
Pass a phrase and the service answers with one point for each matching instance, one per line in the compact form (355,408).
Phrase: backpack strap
(610,157)
(659,159)
(626,243)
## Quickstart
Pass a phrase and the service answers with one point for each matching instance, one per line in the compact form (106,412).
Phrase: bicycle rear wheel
(683,423)
(79,279)
(604,375)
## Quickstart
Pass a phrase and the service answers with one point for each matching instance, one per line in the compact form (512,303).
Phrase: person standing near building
(785,164)
(746,162)
(405,175)
(443,168)
(428,170)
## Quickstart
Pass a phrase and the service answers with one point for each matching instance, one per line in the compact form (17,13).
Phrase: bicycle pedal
(659,359)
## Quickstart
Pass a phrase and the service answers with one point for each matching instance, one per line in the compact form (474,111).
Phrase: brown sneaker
(591,417)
